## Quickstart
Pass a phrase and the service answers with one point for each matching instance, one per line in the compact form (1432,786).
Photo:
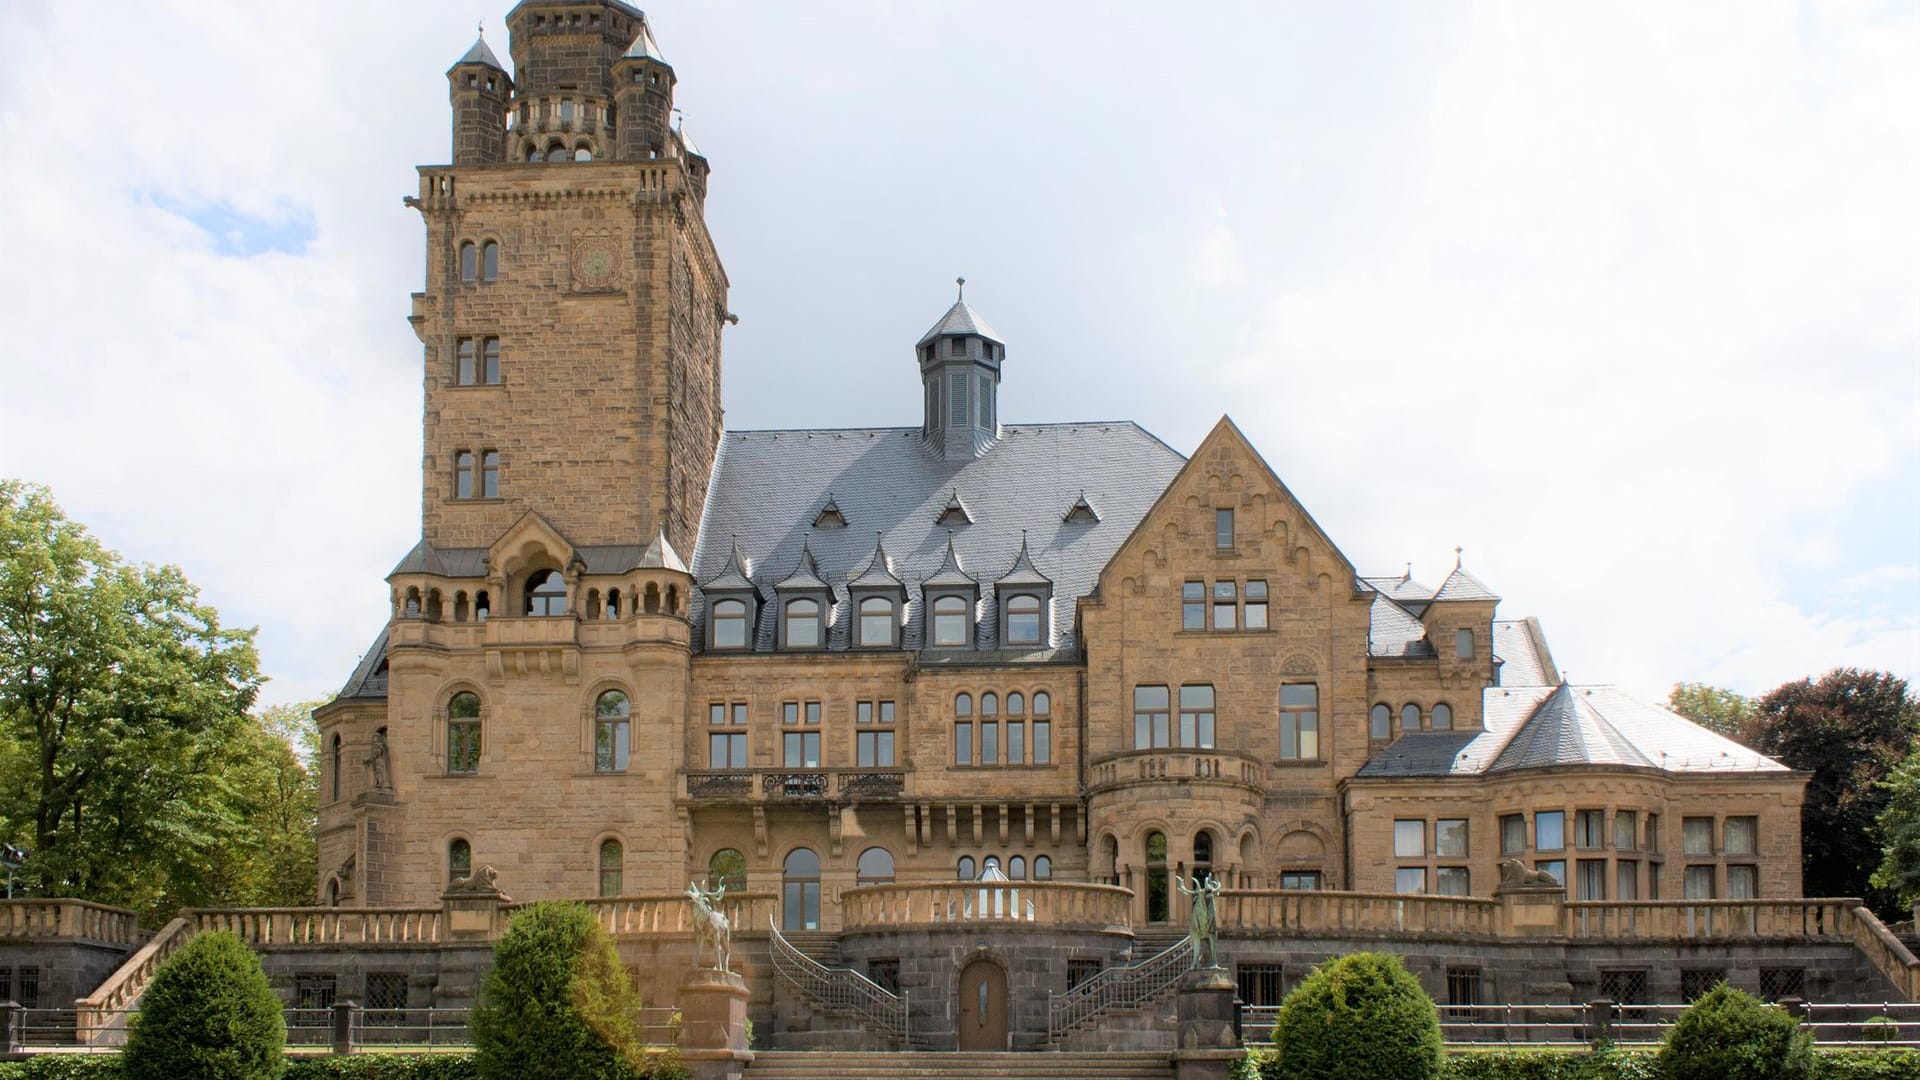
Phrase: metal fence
(1840,1024)
(332,1029)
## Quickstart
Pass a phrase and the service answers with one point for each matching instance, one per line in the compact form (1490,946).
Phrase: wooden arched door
(983,1006)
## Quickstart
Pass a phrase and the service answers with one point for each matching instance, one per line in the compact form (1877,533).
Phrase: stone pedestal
(713,1024)
(1532,910)
(474,907)
(1207,1044)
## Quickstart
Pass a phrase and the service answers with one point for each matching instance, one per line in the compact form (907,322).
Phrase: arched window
(1410,717)
(434,605)
(469,262)
(463,733)
(1443,717)
(1042,868)
(730,624)
(653,599)
(1017,868)
(1203,855)
(1159,901)
(334,767)
(1016,729)
(593,603)
(534,155)
(802,624)
(459,859)
(611,865)
(876,866)
(612,731)
(333,892)
(991,866)
(876,622)
(1380,722)
(613,603)
(460,608)
(1463,644)
(1023,619)
(1111,857)
(727,869)
(489,261)
(950,620)
(989,729)
(480,609)
(964,869)
(546,594)
(800,891)
(557,154)
(583,153)
(1042,728)
(411,609)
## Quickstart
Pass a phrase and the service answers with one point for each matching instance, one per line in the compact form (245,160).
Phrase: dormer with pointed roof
(830,515)
(954,513)
(960,360)
(733,604)
(1025,598)
(878,599)
(806,601)
(951,597)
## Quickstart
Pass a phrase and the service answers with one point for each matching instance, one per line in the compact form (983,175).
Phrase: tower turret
(479,89)
(960,371)
(643,99)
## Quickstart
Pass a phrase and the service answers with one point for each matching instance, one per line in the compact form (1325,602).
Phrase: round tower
(643,99)
(479,90)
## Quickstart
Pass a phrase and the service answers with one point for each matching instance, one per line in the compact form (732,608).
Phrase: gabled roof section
(1520,653)
(955,512)
(480,54)
(369,678)
(1461,585)
(1081,511)
(830,515)
(660,555)
(1394,631)
(532,530)
(960,319)
(806,573)
(1566,730)
(1023,572)
(1402,587)
(735,576)
(951,572)
(878,573)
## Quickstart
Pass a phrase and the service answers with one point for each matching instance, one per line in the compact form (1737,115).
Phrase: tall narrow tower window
(490,350)
(469,262)
(957,397)
(489,261)
(490,474)
(986,402)
(463,475)
(464,372)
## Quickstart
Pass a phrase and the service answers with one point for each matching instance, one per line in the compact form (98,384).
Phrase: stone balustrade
(1194,766)
(1647,920)
(270,927)
(1034,903)
(1294,911)
(68,919)
(640,916)
(794,785)
(101,1017)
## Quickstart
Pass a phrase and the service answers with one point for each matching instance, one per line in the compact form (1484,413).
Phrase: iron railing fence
(308,1029)
(841,989)
(1836,1024)
(1122,987)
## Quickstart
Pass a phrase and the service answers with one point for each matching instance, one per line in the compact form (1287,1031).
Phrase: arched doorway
(800,891)
(1159,909)
(1203,855)
(983,1006)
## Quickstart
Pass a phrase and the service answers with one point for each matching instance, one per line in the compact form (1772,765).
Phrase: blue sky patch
(235,232)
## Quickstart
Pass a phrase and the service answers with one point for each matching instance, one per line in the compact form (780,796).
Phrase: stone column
(473,907)
(1208,1040)
(713,1024)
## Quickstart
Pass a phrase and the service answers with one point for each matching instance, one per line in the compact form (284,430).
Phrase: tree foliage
(1850,729)
(1362,1016)
(1728,1034)
(1713,708)
(128,764)
(208,1014)
(557,1005)
(1898,829)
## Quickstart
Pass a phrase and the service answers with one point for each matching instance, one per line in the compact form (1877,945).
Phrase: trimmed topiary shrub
(1728,1034)
(208,1014)
(557,1004)
(1360,1017)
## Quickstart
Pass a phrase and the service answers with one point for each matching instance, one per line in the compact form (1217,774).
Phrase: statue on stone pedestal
(709,926)
(1204,927)
(378,765)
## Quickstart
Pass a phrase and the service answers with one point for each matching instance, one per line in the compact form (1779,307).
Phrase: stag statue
(1204,927)
(709,926)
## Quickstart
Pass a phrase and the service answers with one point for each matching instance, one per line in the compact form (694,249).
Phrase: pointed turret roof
(737,574)
(806,573)
(480,54)
(878,573)
(661,556)
(960,319)
(1023,572)
(1565,729)
(644,47)
(1461,585)
(951,571)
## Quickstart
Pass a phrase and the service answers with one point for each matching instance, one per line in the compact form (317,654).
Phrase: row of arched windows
(803,623)
(612,734)
(984,734)
(1380,719)
(544,595)
(557,152)
(479,262)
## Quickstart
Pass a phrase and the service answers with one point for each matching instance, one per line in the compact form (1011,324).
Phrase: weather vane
(962,282)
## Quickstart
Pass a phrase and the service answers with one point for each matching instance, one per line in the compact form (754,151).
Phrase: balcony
(795,786)
(1176,764)
(1042,904)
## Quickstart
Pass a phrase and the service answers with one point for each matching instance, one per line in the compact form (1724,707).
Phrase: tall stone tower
(573,303)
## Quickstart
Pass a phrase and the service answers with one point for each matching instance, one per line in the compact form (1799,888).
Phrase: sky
(1621,299)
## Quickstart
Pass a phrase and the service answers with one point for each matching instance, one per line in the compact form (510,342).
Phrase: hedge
(1894,1064)
(208,1014)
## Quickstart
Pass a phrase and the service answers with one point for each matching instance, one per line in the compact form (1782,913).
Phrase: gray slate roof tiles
(960,319)
(480,54)
(768,485)
(369,678)
(1520,649)
(1461,585)
(1395,631)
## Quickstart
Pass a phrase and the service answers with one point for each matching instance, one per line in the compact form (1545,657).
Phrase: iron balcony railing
(1124,987)
(840,989)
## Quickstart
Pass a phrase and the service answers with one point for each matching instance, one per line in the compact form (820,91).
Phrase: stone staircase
(835,1065)
(822,946)
(1153,940)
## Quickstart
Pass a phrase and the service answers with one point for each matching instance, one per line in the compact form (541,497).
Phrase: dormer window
(1023,619)
(830,516)
(950,623)
(957,347)
(729,625)
(546,594)
(800,625)
(876,623)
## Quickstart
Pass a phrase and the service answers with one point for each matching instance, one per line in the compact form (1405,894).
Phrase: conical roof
(806,573)
(1461,585)
(480,54)
(960,319)
(737,574)
(878,573)
(1565,729)
(951,571)
(1023,572)
(644,47)
(661,556)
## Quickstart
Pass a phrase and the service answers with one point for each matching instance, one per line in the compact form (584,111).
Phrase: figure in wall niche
(1203,927)
(710,928)
(379,766)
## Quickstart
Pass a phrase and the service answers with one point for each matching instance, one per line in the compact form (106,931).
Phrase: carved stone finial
(962,283)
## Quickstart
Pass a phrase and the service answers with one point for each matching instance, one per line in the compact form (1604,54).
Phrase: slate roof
(644,47)
(1401,588)
(369,678)
(768,485)
(960,319)
(1461,585)
(1395,631)
(480,54)
(599,559)
(1542,726)
(1521,655)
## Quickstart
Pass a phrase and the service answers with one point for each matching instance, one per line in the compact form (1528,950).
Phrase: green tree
(1713,708)
(1728,1034)
(1850,729)
(1899,833)
(557,1005)
(121,698)
(1360,1017)
(209,1014)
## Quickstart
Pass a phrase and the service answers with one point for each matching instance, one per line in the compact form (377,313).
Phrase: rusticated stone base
(713,1024)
